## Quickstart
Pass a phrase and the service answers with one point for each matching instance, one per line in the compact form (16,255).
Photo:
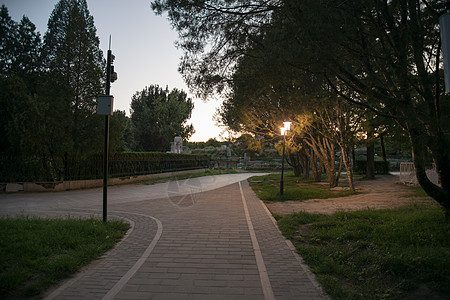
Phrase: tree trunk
(338,175)
(303,159)
(370,164)
(316,166)
(442,161)
(353,155)
(306,167)
(383,149)
(325,152)
(317,169)
(348,167)
(295,163)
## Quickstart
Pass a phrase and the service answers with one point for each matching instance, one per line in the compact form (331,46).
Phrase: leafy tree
(127,142)
(386,57)
(333,125)
(118,124)
(20,64)
(265,92)
(248,144)
(49,91)
(214,143)
(158,116)
(381,55)
(213,34)
(8,43)
(20,47)
(27,61)
(8,31)
(209,144)
(74,77)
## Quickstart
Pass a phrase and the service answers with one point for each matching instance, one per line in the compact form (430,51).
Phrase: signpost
(105,107)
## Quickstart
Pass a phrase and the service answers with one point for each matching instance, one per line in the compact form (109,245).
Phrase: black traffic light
(111,74)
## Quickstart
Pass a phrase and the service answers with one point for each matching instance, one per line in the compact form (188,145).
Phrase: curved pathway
(208,238)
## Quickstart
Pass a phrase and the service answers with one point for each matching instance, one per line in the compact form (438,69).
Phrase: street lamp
(284,130)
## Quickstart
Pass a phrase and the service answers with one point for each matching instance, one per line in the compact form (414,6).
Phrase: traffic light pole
(105,155)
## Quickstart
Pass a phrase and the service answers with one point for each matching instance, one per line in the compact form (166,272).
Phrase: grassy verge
(417,191)
(37,253)
(268,188)
(376,254)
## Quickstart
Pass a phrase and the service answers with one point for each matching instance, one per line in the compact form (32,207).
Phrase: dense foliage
(157,116)
(49,89)
(48,97)
(380,57)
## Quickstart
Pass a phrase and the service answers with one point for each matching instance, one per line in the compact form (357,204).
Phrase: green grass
(417,191)
(375,254)
(268,188)
(37,253)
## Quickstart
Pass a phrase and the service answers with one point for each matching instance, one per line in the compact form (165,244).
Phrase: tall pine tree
(75,66)
(8,44)
(20,46)
(28,57)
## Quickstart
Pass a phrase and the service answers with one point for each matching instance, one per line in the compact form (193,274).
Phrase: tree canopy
(381,55)
(158,115)
(75,64)
(48,97)
(49,90)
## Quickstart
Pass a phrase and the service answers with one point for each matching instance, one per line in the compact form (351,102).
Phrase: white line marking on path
(125,278)
(299,259)
(264,277)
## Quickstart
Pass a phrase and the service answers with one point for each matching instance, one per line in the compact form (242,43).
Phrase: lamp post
(284,130)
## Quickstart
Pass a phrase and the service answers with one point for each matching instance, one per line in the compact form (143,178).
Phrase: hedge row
(129,164)
(120,165)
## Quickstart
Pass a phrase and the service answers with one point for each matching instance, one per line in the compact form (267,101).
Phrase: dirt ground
(384,192)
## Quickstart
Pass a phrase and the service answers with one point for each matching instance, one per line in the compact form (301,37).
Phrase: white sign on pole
(105,105)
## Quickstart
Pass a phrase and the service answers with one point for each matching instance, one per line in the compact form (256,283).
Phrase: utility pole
(106,144)
(105,107)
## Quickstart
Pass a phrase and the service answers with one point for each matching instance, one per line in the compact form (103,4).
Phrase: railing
(120,168)
(38,170)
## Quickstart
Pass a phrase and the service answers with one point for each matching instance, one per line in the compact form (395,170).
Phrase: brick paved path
(217,244)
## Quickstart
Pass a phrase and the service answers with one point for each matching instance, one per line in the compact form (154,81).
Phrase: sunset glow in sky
(143,45)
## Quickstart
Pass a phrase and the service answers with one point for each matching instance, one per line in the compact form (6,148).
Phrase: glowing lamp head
(287,125)
(283,130)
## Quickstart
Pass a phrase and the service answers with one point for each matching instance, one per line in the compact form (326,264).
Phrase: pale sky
(143,45)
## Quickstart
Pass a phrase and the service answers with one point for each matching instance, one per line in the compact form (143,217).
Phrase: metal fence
(38,170)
